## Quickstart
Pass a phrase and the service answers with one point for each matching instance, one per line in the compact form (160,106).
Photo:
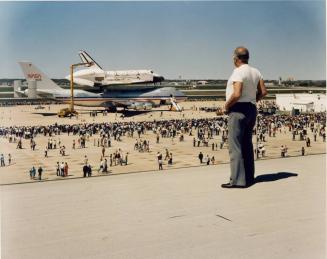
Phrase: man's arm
(261,90)
(237,93)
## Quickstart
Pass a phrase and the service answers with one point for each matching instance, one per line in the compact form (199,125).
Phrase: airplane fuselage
(108,98)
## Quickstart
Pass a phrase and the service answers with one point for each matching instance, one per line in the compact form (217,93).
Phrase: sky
(194,40)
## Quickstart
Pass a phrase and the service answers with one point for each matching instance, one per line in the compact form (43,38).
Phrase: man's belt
(243,107)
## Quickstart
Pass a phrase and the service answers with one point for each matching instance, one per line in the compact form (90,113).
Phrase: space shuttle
(95,76)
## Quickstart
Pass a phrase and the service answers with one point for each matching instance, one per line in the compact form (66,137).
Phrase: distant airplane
(139,99)
(94,75)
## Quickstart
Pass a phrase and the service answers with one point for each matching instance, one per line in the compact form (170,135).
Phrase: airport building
(301,102)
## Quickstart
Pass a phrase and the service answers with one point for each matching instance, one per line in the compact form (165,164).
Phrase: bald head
(242,54)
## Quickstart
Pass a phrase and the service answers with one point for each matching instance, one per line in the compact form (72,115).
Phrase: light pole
(72,84)
(72,88)
(71,111)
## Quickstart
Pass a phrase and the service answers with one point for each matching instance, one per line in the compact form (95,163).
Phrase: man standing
(308,142)
(62,169)
(105,166)
(302,151)
(85,170)
(2,159)
(244,88)
(159,157)
(40,170)
(126,158)
(58,169)
(89,170)
(208,160)
(170,160)
(200,157)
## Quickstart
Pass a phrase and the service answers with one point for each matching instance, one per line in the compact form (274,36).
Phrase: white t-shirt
(250,77)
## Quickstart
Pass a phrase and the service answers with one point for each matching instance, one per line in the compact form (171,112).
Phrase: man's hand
(261,90)
(225,109)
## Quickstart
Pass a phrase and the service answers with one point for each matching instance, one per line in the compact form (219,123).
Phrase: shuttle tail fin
(86,58)
(31,72)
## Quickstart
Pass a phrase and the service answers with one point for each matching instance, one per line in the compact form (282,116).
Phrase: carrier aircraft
(136,99)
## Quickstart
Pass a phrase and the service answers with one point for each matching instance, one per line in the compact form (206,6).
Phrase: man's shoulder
(247,69)
(242,70)
(255,70)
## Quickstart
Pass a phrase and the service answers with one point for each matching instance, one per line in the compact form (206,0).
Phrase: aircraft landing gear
(111,109)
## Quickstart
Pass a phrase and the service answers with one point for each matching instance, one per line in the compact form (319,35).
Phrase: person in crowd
(40,170)
(159,157)
(200,156)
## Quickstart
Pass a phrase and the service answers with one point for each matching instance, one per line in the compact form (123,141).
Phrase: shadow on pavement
(273,177)
(46,113)
(131,113)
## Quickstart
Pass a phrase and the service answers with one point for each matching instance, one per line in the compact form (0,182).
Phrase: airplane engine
(147,106)
(140,106)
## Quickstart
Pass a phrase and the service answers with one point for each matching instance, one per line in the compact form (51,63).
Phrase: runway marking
(223,217)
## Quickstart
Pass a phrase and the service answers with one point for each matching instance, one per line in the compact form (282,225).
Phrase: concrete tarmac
(179,213)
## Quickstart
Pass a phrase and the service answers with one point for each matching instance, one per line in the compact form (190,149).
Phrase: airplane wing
(44,94)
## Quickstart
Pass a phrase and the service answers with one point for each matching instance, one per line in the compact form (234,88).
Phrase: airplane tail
(86,58)
(32,72)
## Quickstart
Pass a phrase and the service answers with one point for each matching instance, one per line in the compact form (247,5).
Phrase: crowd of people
(204,132)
